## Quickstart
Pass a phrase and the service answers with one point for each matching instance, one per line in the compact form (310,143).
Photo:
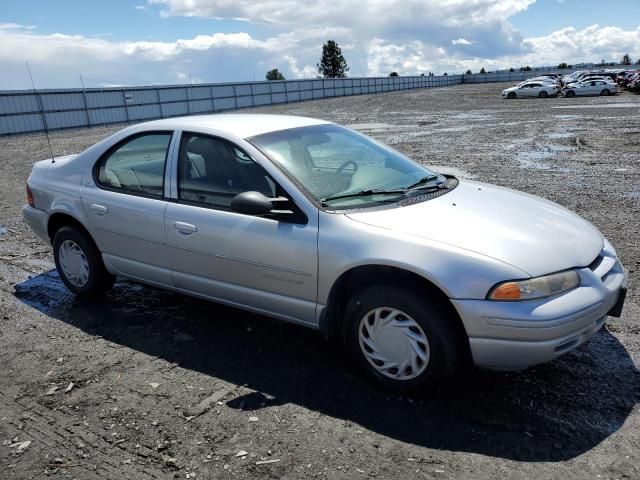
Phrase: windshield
(341,168)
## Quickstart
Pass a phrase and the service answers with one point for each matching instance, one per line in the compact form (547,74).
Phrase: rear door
(125,204)
(263,263)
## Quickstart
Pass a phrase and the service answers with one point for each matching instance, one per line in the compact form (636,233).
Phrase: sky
(147,42)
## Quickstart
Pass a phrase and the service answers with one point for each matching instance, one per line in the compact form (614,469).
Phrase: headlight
(534,288)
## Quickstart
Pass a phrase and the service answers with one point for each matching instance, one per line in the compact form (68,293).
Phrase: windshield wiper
(423,180)
(364,193)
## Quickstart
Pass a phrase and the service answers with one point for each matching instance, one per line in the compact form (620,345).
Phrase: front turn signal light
(30,197)
(535,288)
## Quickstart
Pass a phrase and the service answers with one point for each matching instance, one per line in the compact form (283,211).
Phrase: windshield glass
(329,161)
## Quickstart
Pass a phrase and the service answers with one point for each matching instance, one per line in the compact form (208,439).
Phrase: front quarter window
(341,168)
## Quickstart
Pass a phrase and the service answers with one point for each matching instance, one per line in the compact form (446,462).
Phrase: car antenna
(44,118)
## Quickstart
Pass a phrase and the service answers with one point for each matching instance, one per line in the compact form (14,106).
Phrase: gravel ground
(151,384)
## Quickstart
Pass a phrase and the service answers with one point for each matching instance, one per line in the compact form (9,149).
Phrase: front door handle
(185,228)
(99,209)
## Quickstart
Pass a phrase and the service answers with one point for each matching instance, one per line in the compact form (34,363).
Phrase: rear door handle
(99,209)
(185,228)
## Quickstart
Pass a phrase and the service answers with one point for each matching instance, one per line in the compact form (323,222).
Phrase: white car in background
(531,89)
(590,88)
(543,79)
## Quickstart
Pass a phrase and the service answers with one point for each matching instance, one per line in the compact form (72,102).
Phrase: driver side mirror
(256,203)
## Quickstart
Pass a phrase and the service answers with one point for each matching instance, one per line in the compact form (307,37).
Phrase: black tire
(99,279)
(543,94)
(570,94)
(445,353)
(511,95)
(605,92)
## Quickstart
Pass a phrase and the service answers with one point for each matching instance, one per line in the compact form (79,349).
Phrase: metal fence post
(126,109)
(159,103)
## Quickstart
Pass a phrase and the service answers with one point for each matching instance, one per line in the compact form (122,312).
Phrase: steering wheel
(345,165)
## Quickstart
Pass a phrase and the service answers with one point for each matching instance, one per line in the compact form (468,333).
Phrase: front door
(265,264)
(125,205)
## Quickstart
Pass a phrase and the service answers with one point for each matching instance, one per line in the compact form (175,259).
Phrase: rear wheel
(399,339)
(543,94)
(79,263)
(605,92)
(511,95)
(570,94)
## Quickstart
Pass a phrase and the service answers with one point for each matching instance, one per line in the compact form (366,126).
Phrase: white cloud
(16,26)
(377,37)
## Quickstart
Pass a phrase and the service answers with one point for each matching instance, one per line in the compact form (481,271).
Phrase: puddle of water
(3,230)
(559,135)
(473,116)
(44,292)
(633,194)
(603,105)
(454,129)
(534,159)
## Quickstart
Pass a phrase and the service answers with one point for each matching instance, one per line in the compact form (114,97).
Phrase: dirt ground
(150,384)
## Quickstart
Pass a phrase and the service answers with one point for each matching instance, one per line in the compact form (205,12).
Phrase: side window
(212,171)
(137,165)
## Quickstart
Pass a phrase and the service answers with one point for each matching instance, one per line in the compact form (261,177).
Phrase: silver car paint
(490,235)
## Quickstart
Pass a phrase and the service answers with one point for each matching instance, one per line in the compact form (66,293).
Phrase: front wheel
(605,92)
(543,94)
(79,263)
(570,94)
(399,339)
(511,95)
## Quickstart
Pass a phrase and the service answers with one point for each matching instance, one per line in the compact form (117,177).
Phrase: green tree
(482,70)
(445,74)
(525,69)
(394,74)
(332,63)
(274,75)
(626,59)
(563,65)
(512,69)
(468,72)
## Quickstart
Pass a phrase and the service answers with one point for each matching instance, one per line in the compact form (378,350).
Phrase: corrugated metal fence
(21,110)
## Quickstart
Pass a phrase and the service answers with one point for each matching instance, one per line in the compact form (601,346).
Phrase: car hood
(525,231)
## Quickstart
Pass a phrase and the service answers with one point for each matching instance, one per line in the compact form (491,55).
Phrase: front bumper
(516,335)
(37,220)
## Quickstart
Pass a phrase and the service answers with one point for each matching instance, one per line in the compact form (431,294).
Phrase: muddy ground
(110,389)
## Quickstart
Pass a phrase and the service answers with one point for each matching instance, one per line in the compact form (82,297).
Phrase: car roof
(243,125)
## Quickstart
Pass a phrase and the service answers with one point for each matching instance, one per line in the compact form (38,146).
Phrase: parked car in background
(413,272)
(532,89)
(544,79)
(590,88)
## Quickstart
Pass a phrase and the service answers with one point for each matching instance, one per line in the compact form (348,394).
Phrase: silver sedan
(413,272)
